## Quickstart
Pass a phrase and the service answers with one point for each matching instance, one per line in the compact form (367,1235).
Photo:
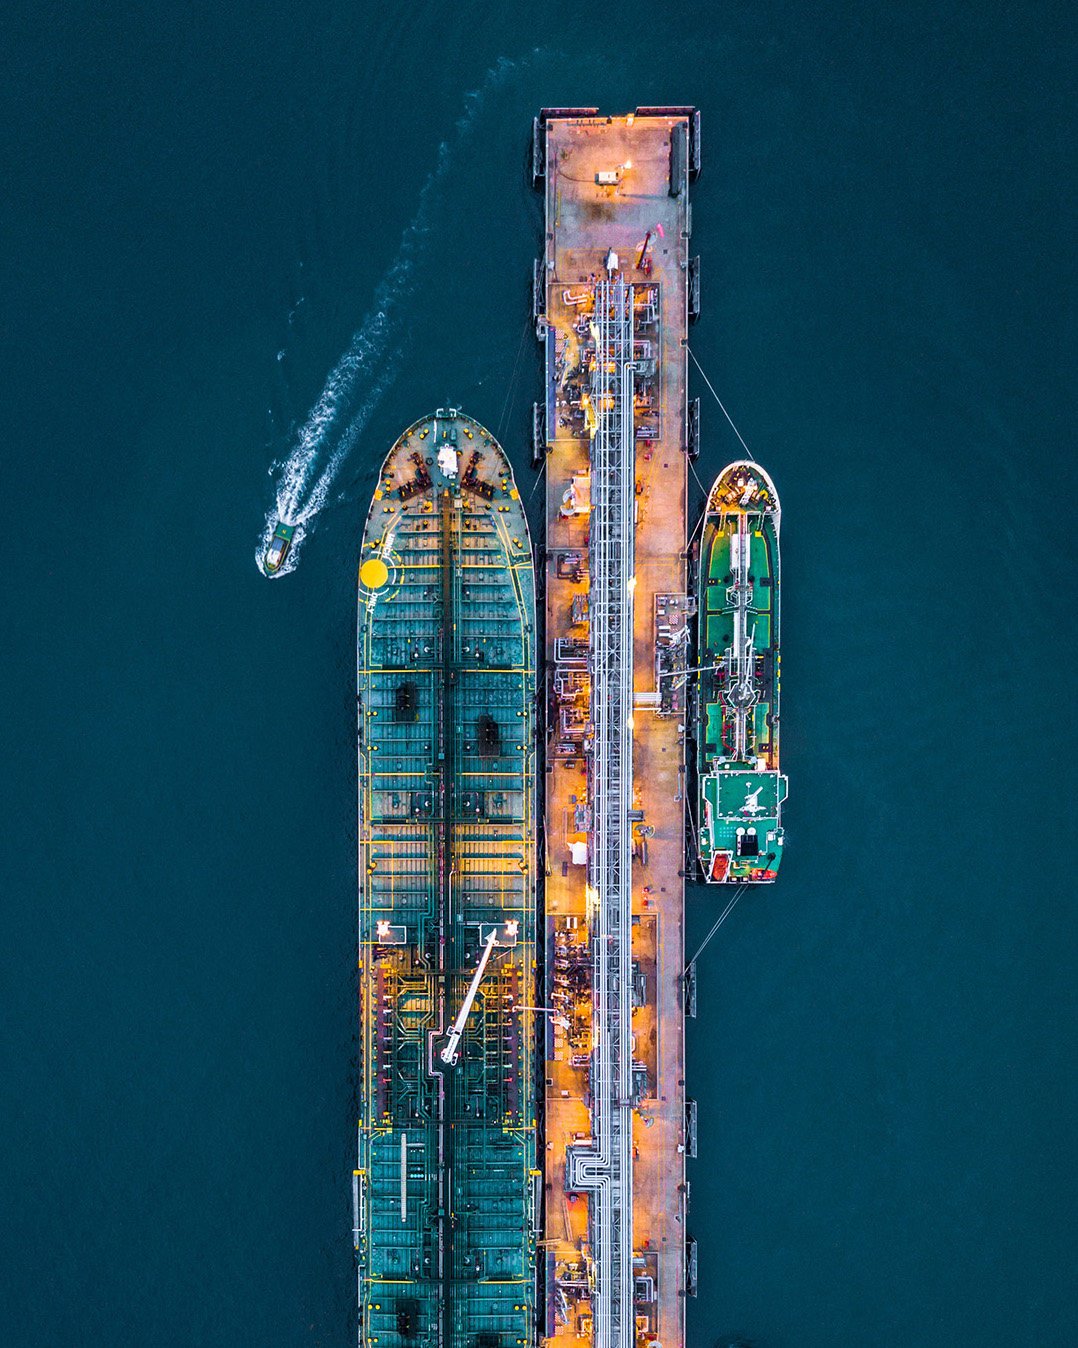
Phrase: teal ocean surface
(243,246)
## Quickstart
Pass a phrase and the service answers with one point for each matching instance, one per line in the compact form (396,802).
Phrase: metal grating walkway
(604,1170)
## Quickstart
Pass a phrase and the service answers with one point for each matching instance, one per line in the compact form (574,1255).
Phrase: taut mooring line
(726,414)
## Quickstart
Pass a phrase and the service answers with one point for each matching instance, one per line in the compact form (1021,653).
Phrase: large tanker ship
(740,787)
(447,1195)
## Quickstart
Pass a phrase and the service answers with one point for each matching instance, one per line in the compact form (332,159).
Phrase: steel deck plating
(446,1190)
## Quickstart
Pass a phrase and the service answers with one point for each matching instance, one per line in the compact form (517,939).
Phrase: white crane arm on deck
(449,1054)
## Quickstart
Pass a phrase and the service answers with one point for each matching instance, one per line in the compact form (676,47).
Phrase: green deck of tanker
(741,790)
(447,1193)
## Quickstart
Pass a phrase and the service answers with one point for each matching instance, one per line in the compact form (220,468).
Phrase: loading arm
(449,1054)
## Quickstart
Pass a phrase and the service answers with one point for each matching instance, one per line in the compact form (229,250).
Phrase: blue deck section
(447,1186)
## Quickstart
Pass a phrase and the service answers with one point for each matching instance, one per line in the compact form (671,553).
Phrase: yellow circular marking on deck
(374,573)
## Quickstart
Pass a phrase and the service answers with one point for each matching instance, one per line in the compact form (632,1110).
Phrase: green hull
(447,1192)
(741,789)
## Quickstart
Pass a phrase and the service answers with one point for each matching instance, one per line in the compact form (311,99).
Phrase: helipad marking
(374,573)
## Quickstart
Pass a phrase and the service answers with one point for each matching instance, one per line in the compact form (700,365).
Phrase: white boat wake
(359,380)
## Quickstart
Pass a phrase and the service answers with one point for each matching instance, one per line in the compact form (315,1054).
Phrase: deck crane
(642,262)
(450,1053)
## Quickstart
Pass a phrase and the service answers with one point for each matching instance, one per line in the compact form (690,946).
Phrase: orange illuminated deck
(616,186)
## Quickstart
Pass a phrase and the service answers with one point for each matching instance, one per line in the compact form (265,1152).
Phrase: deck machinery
(446,1192)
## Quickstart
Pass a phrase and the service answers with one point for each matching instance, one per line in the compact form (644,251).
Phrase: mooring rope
(726,414)
(718,923)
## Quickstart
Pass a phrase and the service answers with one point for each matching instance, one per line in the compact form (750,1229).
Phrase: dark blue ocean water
(203,208)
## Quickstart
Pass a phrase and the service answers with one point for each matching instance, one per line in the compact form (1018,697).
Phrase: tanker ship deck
(446,1191)
(613,292)
(740,787)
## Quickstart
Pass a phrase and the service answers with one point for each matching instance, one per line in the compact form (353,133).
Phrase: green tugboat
(740,787)
(278,547)
(447,1193)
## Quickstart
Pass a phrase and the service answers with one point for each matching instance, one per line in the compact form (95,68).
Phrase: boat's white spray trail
(365,371)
